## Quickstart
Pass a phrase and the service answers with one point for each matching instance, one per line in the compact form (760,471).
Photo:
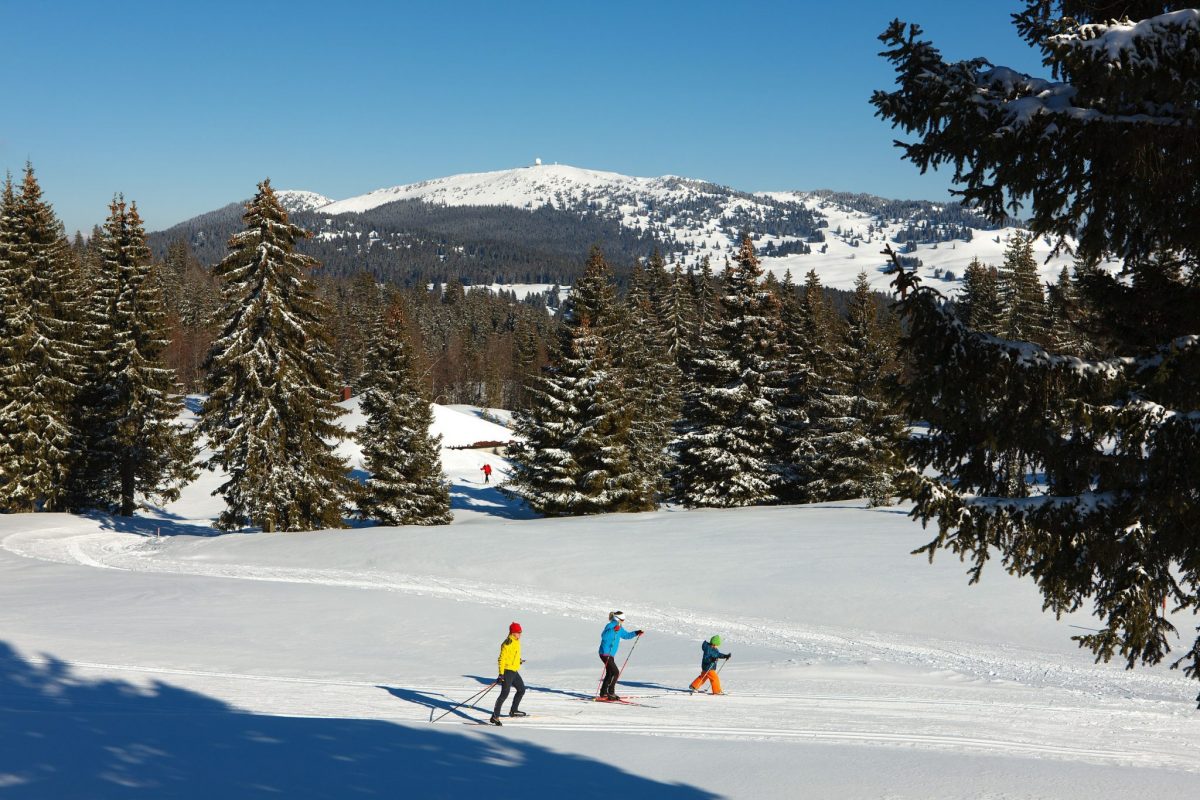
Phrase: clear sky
(185,106)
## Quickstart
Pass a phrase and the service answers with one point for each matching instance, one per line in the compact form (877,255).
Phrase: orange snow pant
(713,679)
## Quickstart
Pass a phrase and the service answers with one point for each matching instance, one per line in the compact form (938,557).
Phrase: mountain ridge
(535,224)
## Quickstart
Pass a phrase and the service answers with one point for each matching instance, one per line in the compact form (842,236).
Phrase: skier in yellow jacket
(509,662)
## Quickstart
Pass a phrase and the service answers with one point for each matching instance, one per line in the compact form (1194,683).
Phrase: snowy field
(152,658)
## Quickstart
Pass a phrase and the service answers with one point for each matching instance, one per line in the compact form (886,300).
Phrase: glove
(639,633)
(727,655)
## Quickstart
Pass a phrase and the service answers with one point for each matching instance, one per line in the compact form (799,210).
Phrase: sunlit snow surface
(151,657)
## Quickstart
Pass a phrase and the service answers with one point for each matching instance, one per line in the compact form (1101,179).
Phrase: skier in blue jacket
(610,640)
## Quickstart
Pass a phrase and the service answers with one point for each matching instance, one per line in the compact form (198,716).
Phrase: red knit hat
(514,628)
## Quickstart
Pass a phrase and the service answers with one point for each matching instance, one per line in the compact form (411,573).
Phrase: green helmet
(715,641)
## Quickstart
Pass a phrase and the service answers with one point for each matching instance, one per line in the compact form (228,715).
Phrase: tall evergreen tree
(576,453)
(652,379)
(38,443)
(1105,513)
(980,305)
(802,350)
(1021,286)
(856,434)
(271,415)
(406,486)
(133,445)
(730,417)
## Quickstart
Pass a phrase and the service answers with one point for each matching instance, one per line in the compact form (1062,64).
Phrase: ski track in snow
(1145,729)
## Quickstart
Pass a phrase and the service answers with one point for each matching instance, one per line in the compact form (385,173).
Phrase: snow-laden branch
(1142,42)
(1022,98)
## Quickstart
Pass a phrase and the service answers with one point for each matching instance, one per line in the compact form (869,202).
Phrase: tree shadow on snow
(487,499)
(151,526)
(66,737)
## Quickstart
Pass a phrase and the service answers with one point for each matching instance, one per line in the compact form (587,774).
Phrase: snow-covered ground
(150,657)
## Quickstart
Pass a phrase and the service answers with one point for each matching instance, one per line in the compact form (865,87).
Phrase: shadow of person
(68,737)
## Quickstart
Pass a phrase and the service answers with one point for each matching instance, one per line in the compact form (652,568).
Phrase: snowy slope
(843,260)
(309,665)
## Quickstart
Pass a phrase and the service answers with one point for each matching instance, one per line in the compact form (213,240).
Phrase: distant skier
(707,662)
(610,640)
(486,469)
(508,663)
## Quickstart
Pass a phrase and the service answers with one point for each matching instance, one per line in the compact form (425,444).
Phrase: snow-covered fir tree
(730,416)
(575,457)
(854,434)
(979,304)
(678,316)
(271,415)
(128,399)
(1103,514)
(1023,296)
(41,355)
(406,485)
(652,379)
(804,348)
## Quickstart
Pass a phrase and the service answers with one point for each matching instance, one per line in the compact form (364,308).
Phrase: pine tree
(678,317)
(730,417)
(406,485)
(652,379)
(270,417)
(1021,288)
(856,435)
(38,443)
(980,306)
(575,456)
(801,352)
(1063,309)
(129,404)
(1104,513)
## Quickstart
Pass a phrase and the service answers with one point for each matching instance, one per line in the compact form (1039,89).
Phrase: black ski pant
(608,686)
(510,680)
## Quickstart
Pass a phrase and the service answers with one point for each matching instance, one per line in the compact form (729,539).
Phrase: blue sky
(184,107)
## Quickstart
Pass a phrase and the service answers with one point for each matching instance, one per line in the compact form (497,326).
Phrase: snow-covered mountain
(299,200)
(553,213)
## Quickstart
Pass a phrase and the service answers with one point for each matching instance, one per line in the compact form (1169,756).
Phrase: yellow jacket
(510,655)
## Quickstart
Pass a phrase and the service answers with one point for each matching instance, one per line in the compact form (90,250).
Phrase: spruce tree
(652,379)
(980,306)
(802,350)
(856,434)
(1021,287)
(406,485)
(271,415)
(128,401)
(730,417)
(38,442)
(1104,513)
(575,456)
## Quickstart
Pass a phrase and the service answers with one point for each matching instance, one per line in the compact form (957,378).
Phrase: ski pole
(475,697)
(722,665)
(622,670)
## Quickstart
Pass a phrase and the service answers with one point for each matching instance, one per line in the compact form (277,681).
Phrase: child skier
(610,640)
(709,660)
(508,663)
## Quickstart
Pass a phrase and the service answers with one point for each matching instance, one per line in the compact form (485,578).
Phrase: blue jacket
(711,654)
(611,638)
